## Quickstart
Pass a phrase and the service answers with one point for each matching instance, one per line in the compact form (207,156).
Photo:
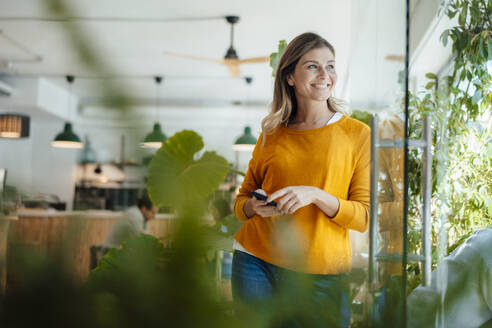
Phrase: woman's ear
(290,80)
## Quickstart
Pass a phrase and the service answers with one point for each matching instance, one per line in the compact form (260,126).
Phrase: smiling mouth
(321,86)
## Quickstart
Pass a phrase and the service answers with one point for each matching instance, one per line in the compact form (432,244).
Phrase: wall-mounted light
(14,126)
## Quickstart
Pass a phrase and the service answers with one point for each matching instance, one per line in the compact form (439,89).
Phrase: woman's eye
(312,66)
(331,67)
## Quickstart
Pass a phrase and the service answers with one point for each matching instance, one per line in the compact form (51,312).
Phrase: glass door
(378,89)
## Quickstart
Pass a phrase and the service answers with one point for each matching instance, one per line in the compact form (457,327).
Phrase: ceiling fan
(231,59)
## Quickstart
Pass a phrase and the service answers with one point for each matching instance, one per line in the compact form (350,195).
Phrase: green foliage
(215,239)
(139,285)
(177,178)
(46,298)
(275,56)
(460,105)
(364,117)
(139,256)
(471,42)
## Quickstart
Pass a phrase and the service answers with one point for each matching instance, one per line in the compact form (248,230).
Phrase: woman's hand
(295,197)
(256,206)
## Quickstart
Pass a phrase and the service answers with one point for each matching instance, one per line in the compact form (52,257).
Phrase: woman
(314,162)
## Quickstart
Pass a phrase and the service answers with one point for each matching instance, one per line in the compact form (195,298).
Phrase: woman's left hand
(294,197)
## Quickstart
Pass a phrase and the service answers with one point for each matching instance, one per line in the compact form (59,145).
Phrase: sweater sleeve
(353,212)
(251,182)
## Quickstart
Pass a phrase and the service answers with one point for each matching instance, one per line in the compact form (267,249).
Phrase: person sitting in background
(460,295)
(132,222)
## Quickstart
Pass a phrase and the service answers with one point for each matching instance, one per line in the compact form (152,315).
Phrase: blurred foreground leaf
(138,256)
(145,285)
(176,177)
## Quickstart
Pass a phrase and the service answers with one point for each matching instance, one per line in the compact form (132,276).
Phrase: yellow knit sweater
(334,158)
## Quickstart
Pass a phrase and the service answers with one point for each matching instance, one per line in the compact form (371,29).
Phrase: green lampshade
(155,138)
(67,138)
(246,142)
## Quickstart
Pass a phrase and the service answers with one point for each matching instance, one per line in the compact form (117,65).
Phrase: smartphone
(262,197)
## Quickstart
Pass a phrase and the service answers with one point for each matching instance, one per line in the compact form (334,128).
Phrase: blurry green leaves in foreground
(143,285)
(140,255)
(176,177)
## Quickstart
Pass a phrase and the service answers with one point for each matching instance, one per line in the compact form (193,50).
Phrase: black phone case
(262,197)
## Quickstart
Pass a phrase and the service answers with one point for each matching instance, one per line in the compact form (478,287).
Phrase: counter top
(89,214)
(9,217)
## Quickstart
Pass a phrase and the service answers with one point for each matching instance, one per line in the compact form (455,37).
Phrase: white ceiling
(137,48)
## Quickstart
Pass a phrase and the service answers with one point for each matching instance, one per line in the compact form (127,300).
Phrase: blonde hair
(284,105)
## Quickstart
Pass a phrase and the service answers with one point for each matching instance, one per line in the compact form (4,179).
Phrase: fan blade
(234,70)
(254,60)
(213,60)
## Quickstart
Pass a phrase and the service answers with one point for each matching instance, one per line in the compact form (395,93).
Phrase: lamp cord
(158,80)
(70,80)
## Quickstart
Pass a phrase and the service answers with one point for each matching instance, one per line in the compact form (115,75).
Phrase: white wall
(36,167)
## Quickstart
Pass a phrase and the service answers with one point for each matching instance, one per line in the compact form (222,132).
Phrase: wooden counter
(4,230)
(72,233)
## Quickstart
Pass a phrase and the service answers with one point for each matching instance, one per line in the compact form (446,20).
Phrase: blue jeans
(288,298)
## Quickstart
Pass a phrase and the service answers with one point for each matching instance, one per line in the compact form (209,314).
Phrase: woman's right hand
(256,206)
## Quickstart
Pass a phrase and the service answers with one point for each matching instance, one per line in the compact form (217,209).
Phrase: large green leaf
(463,14)
(176,177)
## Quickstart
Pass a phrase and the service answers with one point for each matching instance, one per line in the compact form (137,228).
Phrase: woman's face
(314,76)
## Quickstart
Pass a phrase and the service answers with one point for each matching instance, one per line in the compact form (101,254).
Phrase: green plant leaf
(431,76)
(474,13)
(216,240)
(489,47)
(451,14)
(477,96)
(430,85)
(275,56)
(444,37)
(463,14)
(137,257)
(483,50)
(175,177)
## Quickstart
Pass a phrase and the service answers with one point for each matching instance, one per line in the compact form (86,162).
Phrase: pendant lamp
(88,155)
(246,142)
(67,138)
(14,126)
(155,138)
